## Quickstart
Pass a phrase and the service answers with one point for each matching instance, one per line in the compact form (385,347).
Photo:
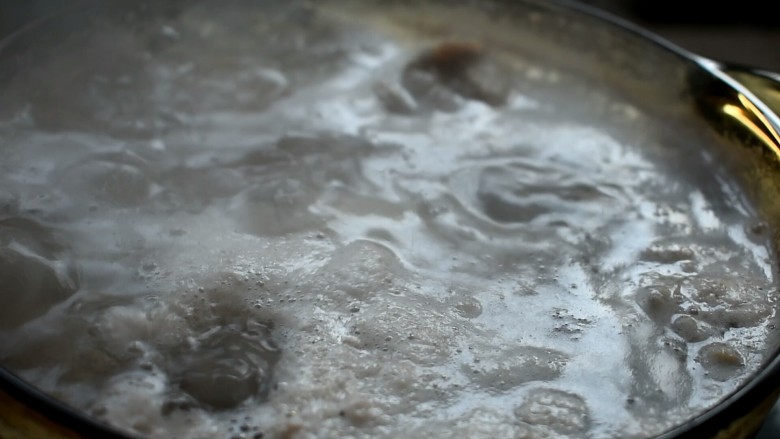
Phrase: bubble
(277,207)
(8,202)
(32,235)
(428,92)
(519,193)
(721,361)
(227,366)
(119,181)
(668,254)
(690,329)
(757,230)
(363,413)
(480,423)
(394,98)
(232,87)
(732,303)
(658,302)
(196,187)
(563,412)
(221,382)
(360,269)
(468,308)
(504,368)
(412,330)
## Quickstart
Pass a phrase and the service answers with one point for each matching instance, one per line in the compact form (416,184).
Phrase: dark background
(744,32)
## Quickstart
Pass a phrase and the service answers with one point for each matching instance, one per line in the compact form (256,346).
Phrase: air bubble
(721,361)
(690,329)
(565,413)
(228,366)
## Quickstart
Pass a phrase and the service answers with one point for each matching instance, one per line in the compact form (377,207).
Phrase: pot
(736,105)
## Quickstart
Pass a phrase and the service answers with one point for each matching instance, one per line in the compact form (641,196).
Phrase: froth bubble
(721,361)
(228,365)
(563,412)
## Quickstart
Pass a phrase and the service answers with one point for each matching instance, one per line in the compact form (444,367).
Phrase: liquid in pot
(264,222)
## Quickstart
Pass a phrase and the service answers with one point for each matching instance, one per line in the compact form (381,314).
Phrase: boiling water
(264,223)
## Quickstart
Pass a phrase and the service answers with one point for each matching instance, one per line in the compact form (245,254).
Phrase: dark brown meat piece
(465,69)
(450,59)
